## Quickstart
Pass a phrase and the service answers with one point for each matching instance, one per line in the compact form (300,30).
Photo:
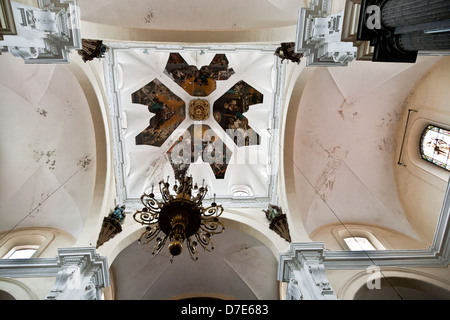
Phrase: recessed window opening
(241,191)
(21,252)
(434,146)
(359,244)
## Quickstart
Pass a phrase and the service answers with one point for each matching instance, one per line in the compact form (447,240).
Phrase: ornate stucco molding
(44,34)
(303,269)
(80,273)
(319,36)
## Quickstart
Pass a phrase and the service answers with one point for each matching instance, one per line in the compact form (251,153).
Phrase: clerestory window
(359,244)
(21,252)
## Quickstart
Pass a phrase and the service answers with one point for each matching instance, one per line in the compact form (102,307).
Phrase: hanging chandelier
(179,218)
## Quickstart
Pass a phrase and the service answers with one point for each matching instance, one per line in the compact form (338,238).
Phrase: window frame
(360,243)
(354,231)
(15,249)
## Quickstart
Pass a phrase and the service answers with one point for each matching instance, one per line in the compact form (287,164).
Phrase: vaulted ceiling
(195,112)
(48,155)
(193,15)
(340,151)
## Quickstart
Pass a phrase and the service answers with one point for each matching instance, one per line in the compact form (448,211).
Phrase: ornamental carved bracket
(303,269)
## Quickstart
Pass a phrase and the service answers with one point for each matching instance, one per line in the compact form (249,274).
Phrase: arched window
(241,191)
(21,252)
(359,244)
(434,146)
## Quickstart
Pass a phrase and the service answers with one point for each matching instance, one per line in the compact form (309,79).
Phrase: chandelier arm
(200,196)
(165,192)
(149,234)
(192,249)
(150,202)
(205,241)
(159,245)
(145,217)
(212,226)
(212,212)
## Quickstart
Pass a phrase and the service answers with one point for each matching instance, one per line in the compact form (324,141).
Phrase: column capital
(303,269)
(319,36)
(83,273)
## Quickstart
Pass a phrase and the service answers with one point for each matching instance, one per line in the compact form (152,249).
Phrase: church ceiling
(195,112)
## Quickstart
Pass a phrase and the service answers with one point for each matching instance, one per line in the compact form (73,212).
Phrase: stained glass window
(434,146)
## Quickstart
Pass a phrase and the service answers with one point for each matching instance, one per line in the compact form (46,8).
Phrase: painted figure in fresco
(440,147)
(199,142)
(229,112)
(197,82)
(168,110)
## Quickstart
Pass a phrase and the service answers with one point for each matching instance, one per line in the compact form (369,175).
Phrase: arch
(16,289)
(240,266)
(404,289)
(89,81)
(420,184)
(393,283)
(47,239)
(6,296)
(297,81)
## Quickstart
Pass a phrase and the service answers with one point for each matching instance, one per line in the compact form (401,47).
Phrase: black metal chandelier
(179,218)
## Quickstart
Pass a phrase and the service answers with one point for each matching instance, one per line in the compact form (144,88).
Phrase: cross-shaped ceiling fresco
(194,112)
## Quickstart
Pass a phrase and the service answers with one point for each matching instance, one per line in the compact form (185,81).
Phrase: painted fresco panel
(229,112)
(199,141)
(198,83)
(169,112)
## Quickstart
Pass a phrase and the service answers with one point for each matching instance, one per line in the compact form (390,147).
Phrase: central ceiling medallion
(179,217)
(199,109)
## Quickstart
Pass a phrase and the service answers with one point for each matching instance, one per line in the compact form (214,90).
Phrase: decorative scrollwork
(165,192)
(149,234)
(202,191)
(213,211)
(192,247)
(159,245)
(149,202)
(145,217)
(205,240)
(212,226)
